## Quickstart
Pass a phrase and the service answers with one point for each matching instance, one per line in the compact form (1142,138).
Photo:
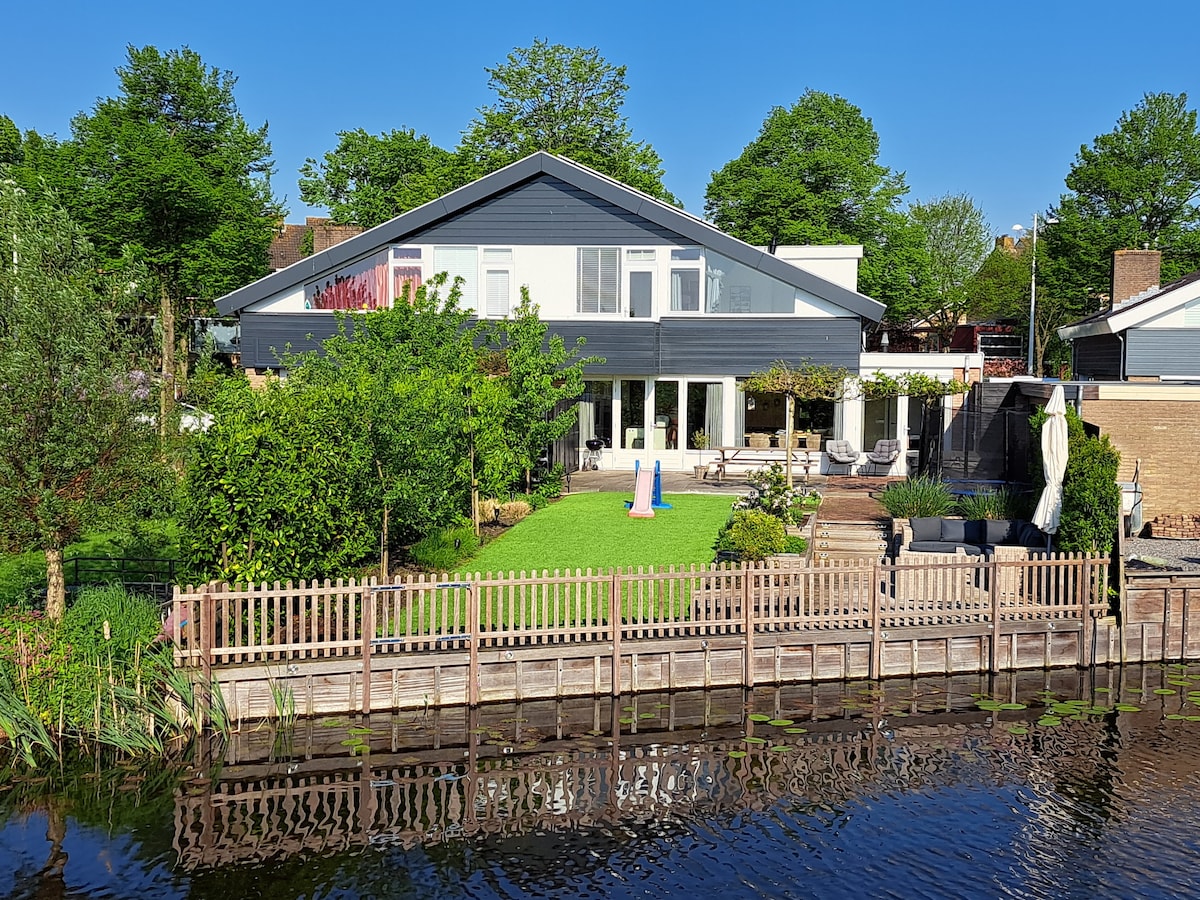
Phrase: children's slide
(641,495)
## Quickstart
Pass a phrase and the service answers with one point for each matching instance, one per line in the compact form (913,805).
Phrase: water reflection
(939,787)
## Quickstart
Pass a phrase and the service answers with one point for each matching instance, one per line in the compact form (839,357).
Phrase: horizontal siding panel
(546,210)
(732,347)
(628,347)
(1098,358)
(265,335)
(1162,351)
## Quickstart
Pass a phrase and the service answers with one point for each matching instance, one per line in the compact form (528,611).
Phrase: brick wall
(1165,434)
(1134,271)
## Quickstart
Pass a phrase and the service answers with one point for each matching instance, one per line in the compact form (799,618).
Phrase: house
(1138,362)
(680,311)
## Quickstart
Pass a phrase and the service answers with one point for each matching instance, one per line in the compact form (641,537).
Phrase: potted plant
(700,439)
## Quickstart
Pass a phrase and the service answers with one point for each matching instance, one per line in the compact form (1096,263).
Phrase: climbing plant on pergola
(802,382)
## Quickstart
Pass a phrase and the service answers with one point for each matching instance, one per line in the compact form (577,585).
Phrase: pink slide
(641,494)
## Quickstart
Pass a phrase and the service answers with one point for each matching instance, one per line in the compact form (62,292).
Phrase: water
(909,789)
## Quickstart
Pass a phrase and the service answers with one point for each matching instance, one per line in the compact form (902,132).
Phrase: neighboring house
(680,311)
(294,242)
(1139,366)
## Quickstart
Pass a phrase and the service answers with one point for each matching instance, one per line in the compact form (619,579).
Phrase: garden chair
(884,454)
(841,453)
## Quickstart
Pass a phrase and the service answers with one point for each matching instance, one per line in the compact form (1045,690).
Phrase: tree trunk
(787,434)
(384,576)
(166,390)
(56,586)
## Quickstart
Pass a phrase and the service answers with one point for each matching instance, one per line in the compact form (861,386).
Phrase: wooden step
(867,547)
(862,555)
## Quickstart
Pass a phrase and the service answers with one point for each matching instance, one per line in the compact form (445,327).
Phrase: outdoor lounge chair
(884,454)
(840,453)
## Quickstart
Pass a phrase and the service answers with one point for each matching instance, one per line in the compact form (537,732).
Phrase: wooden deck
(447,641)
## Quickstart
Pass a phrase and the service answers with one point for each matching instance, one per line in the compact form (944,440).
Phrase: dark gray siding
(265,335)
(1098,358)
(545,210)
(715,346)
(672,347)
(1162,351)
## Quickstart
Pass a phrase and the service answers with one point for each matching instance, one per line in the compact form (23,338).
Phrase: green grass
(595,531)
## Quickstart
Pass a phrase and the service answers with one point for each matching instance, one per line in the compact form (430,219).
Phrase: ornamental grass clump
(917,497)
(998,504)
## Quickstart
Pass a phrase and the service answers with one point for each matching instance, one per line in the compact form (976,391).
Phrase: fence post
(614,624)
(748,623)
(473,647)
(368,632)
(1085,612)
(994,640)
(876,636)
(207,633)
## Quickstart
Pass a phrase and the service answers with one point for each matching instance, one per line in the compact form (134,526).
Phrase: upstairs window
(598,280)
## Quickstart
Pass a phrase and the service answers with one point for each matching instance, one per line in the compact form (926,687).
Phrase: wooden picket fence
(217,625)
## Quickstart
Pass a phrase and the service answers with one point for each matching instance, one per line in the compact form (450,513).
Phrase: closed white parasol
(1054,463)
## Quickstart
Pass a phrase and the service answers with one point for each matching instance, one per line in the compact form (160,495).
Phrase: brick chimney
(1134,272)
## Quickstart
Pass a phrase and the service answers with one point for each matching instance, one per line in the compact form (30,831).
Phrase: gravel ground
(1178,554)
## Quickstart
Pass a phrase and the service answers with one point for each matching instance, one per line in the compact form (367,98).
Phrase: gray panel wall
(1162,351)
(675,346)
(546,211)
(265,335)
(1098,358)
(716,346)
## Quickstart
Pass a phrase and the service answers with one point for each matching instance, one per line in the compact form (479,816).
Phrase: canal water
(1049,784)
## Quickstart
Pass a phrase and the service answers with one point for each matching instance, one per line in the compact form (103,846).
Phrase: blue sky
(989,99)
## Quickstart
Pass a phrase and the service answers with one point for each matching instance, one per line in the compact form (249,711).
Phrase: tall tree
(999,289)
(367,179)
(170,169)
(956,240)
(75,445)
(1136,185)
(564,100)
(812,176)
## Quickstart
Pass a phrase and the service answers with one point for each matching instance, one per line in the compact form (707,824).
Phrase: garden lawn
(595,531)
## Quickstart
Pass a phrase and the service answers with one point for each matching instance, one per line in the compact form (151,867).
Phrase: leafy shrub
(752,533)
(1091,498)
(1091,495)
(514,511)
(445,548)
(794,544)
(917,497)
(998,504)
(551,485)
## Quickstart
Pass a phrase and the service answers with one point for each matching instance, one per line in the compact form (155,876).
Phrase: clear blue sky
(990,99)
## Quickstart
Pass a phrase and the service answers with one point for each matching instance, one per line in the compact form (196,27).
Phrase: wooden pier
(433,642)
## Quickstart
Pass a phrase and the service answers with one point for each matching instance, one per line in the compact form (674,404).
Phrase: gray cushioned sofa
(971,537)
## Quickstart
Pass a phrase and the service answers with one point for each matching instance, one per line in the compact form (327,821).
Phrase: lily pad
(1017,729)
(736,754)
(781,723)
(1103,690)
(1050,721)
(755,740)
(1126,707)
(759,717)
(626,720)
(780,748)
(646,716)
(1163,691)
(795,731)
(1012,706)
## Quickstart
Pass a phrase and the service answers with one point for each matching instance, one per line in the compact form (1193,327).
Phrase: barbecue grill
(591,459)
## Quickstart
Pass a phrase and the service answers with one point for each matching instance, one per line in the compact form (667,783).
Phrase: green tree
(1134,186)
(170,169)
(567,101)
(368,179)
(812,176)
(75,444)
(956,241)
(999,289)
(541,376)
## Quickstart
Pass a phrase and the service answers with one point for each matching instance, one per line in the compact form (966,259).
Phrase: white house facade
(680,311)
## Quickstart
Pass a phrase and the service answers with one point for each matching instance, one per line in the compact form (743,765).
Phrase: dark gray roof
(1126,307)
(693,229)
